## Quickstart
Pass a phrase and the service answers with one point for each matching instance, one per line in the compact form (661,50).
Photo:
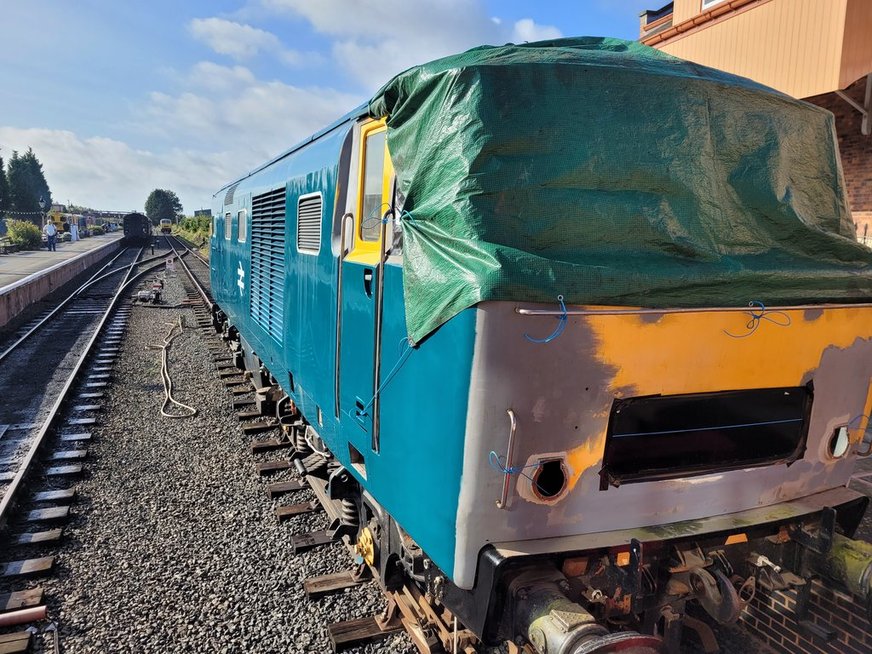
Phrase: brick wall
(856,151)
(863,220)
(770,617)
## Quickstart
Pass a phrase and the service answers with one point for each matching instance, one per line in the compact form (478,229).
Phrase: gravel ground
(174,547)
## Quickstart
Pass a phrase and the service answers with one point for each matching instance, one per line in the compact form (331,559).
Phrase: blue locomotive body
(287,306)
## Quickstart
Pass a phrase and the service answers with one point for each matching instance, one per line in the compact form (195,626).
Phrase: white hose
(165,375)
(322,453)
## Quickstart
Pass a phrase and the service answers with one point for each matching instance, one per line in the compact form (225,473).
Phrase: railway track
(53,376)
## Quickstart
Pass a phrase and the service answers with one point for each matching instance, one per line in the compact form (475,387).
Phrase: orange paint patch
(583,457)
(858,430)
(691,353)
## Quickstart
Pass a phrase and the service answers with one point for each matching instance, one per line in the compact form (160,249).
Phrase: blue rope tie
(496,462)
(857,419)
(561,325)
(406,351)
(756,317)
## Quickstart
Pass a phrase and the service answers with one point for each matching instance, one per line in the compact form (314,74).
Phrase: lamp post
(42,206)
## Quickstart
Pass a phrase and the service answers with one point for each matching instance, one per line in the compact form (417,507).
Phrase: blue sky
(119,97)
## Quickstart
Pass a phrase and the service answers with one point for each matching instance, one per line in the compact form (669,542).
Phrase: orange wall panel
(684,9)
(792,45)
(857,48)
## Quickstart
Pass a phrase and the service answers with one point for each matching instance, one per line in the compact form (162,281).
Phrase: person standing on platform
(51,234)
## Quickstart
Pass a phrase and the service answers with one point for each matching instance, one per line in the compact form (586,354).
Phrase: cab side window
(373,185)
(242,219)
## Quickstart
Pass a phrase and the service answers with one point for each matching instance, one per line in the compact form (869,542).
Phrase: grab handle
(513,427)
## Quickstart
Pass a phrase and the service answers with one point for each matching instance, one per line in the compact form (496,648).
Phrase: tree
(27,186)
(4,189)
(162,204)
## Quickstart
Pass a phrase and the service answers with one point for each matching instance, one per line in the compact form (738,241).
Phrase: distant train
(166,226)
(514,308)
(137,229)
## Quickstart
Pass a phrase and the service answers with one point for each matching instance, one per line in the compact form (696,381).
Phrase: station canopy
(612,174)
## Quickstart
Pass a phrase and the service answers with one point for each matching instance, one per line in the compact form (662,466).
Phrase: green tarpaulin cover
(612,174)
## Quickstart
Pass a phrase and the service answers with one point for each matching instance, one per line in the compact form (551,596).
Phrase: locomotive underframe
(611,591)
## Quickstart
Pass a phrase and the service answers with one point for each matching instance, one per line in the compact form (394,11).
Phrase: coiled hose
(187,411)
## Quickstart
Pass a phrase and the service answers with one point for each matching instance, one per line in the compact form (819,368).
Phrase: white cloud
(109,174)
(240,41)
(228,107)
(376,39)
(221,120)
(215,77)
(222,124)
(527,30)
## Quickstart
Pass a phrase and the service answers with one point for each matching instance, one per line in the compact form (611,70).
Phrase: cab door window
(375,188)
(372,208)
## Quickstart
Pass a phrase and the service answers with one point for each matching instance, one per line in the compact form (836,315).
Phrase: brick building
(817,50)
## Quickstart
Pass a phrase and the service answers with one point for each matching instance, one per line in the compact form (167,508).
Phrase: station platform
(26,277)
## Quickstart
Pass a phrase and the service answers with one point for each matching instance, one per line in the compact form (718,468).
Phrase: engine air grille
(228,197)
(267,291)
(309,224)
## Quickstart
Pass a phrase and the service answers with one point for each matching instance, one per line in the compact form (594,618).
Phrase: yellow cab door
(360,284)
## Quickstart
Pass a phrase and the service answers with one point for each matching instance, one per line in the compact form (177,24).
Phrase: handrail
(644,311)
(510,451)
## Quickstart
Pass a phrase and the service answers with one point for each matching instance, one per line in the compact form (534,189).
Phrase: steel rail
(51,314)
(14,487)
(162,257)
(95,278)
(197,285)
(196,254)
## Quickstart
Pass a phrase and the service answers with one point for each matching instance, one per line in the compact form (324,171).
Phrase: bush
(24,234)
(95,230)
(196,230)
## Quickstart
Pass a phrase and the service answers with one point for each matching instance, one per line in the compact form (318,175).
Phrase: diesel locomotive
(573,334)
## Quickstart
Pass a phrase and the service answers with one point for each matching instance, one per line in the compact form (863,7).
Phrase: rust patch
(650,317)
